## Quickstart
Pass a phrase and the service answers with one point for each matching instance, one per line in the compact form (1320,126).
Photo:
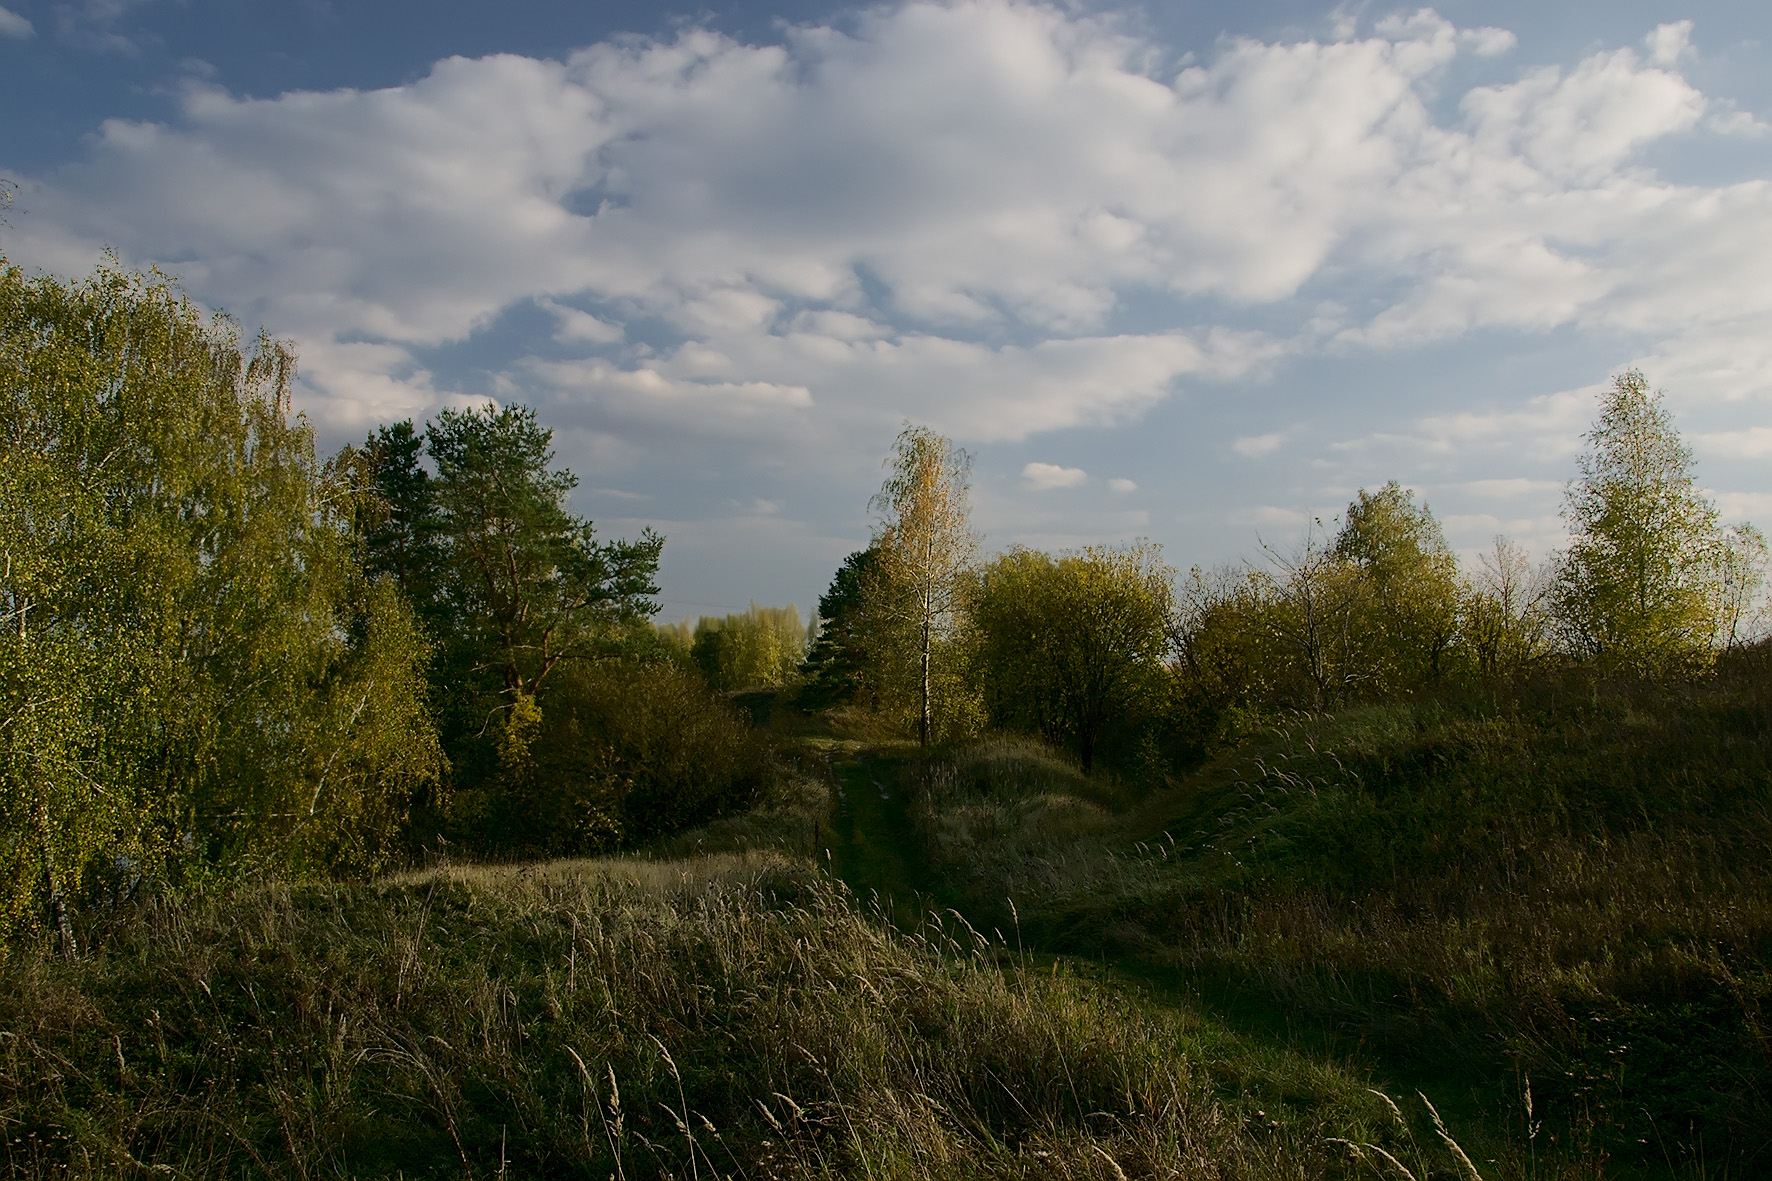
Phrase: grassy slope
(728,1013)
(1573,888)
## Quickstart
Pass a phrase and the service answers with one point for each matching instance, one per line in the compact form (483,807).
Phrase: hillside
(1560,898)
(730,1014)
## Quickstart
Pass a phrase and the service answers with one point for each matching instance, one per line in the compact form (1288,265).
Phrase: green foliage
(197,679)
(1376,611)
(1574,882)
(649,749)
(1071,648)
(760,647)
(399,523)
(515,589)
(1507,628)
(1409,596)
(838,666)
(527,584)
(1640,586)
(612,753)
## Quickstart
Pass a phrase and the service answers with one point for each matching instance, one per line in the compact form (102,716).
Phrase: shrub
(630,751)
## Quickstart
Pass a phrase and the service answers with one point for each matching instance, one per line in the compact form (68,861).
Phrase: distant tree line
(1102,652)
(223,655)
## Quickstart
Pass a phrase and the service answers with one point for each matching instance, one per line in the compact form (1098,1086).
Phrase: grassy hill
(1550,913)
(1564,893)
(730,1014)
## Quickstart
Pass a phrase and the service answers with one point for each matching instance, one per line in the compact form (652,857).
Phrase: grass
(730,1015)
(1572,886)
(1550,914)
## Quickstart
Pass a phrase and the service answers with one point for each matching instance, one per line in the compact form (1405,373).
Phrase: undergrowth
(1566,888)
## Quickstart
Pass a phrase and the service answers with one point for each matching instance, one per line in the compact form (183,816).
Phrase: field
(1523,937)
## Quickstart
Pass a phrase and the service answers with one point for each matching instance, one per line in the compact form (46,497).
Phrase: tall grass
(735,1015)
(1572,885)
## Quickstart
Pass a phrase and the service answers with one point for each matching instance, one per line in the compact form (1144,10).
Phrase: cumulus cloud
(987,165)
(941,212)
(1256,446)
(1753,443)
(1043,477)
(1669,43)
(1122,484)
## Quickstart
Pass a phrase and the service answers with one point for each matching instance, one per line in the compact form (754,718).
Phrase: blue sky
(1194,272)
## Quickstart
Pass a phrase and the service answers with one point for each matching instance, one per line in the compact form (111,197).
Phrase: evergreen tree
(839,665)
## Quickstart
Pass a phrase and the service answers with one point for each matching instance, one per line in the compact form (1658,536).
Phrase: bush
(627,751)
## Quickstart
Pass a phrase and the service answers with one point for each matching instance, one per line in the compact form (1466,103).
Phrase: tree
(839,664)
(400,521)
(1072,647)
(760,646)
(196,679)
(1741,611)
(529,585)
(1506,623)
(1639,586)
(1408,610)
(1315,616)
(925,545)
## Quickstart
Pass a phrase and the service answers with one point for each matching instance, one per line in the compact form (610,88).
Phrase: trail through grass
(873,846)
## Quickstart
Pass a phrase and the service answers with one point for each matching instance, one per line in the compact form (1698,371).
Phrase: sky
(1193,272)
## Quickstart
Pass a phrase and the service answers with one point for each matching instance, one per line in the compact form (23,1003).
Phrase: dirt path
(873,848)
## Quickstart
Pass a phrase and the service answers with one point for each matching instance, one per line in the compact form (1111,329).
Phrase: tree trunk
(58,907)
(923,717)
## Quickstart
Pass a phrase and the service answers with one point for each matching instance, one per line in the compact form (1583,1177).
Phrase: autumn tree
(925,546)
(749,649)
(1315,614)
(1506,625)
(1406,613)
(1640,584)
(1069,647)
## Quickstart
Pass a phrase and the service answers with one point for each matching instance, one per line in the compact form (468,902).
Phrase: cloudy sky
(1193,271)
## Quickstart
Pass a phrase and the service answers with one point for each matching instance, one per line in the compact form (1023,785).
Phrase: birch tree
(925,546)
(1640,584)
(195,677)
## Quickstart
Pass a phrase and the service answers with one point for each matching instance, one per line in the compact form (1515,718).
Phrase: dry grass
(1573,886)
(735,1015)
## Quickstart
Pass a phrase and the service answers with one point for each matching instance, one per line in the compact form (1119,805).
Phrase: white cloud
(988,163)
(1122,484)
(577,326)
(1043,477)
(1670,43)
(1752,443)
(943,213)
(1488,41)
(14,25)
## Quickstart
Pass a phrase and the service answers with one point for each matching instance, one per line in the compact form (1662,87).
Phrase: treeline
(1105,653)
(222,654)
